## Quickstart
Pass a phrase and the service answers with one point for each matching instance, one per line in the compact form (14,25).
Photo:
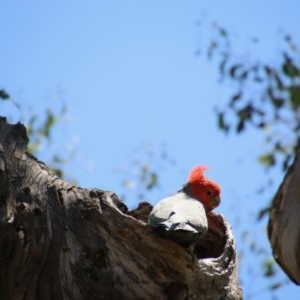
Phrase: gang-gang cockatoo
(182,217)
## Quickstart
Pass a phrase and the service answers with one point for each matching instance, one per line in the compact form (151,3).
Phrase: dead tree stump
(59,241)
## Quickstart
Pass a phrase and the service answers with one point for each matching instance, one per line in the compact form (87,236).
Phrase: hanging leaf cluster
(265,96)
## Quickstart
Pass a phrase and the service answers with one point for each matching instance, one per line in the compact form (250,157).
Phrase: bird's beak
(215,201)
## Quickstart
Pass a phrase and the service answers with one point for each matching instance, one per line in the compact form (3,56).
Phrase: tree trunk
(284,223)
(58,241)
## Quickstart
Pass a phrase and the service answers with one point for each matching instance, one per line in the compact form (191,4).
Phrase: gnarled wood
(58,241)
(284,223)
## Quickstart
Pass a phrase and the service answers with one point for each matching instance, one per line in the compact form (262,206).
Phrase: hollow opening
(213,242)
(211,245)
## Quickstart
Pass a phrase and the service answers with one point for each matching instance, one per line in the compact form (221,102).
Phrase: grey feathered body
(179,217)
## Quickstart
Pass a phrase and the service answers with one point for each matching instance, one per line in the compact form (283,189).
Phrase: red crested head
(204,189)
(196,174)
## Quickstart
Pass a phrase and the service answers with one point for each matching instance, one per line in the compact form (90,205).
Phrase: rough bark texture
(284,223)
(58,241)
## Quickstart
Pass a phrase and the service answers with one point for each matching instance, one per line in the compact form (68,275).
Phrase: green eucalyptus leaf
(289,68)
(234,69)
(240,126)
(294,92)
(267,160)
(4,95)
(221,122)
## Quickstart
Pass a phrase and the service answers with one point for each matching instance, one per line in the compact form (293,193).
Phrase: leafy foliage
(266,96)
(40,127)
(141,175)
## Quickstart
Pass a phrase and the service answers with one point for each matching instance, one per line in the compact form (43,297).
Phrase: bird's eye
(208,193)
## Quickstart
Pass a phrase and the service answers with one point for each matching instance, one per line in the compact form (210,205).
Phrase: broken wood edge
(223,266)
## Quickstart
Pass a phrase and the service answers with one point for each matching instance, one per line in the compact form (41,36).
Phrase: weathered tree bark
(58,241)
(284,223)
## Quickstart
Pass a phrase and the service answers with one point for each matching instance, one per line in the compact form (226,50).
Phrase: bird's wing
(179,212)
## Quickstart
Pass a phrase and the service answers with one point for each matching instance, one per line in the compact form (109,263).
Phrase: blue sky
(130,77)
